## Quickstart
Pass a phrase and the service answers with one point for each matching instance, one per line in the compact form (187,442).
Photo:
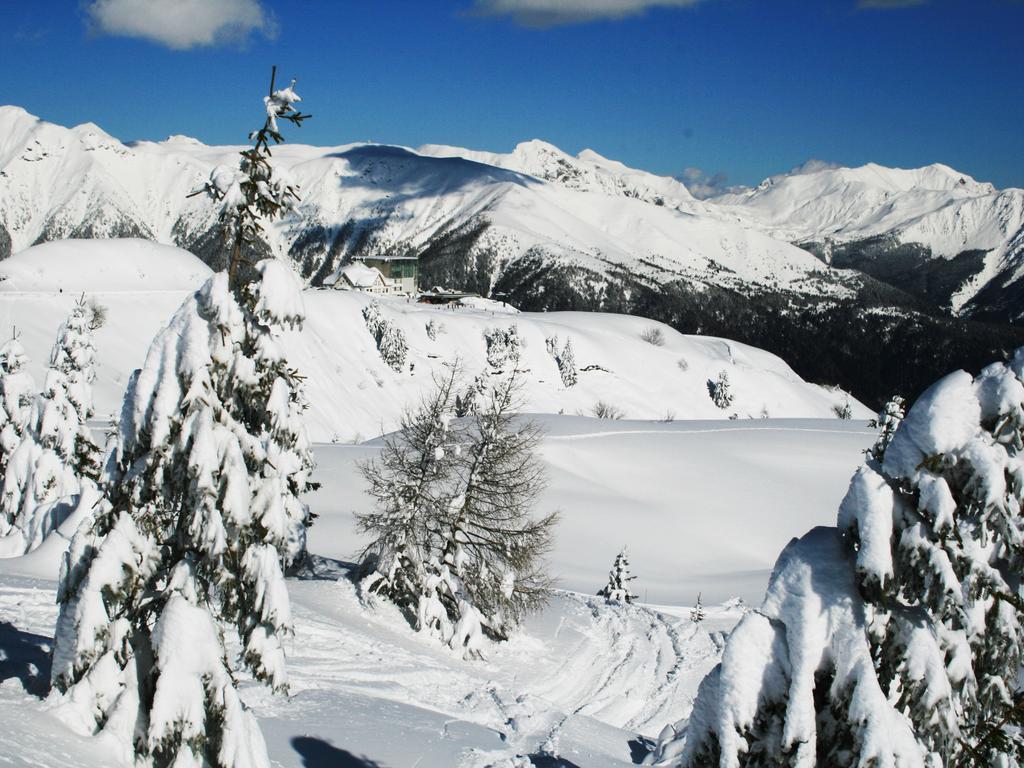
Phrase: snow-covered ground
(703,503)
(703,506)
(354,395)
(582,680)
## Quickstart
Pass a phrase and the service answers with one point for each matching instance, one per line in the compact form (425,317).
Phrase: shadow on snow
(317,753)
(26,657)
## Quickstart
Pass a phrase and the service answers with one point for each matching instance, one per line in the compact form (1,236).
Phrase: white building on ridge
(356,276)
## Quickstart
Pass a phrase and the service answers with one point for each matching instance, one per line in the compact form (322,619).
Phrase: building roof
(356,274)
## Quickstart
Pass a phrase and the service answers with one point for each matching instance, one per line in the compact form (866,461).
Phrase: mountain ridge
(551,231)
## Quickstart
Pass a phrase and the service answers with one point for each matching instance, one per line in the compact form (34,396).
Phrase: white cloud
(812,166)
(704,185)
(181,24)
(550,13)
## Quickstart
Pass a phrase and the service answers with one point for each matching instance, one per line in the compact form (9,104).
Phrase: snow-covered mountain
(588,172)
(932,231)
(583,213)
(548,231)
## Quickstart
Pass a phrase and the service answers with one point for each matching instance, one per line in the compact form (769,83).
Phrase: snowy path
(581,681)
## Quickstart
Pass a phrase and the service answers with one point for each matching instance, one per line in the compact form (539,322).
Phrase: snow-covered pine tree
(254,191)
(567,365)
(17,391)
(551,345)
(719,390)
(467,401)
(408,482)
(619,576)
(886,422)
(389,338)
(68,392)
(203,511)
(504,345)
(844,411)
(16,397)
(434,329)
(492,543)
(375,322)
(697,614)
(56,457)
(393,349)
(894,639)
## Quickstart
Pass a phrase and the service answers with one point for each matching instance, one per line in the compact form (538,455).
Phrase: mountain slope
(588,172)
(932,231)
(353,393)
(546,230)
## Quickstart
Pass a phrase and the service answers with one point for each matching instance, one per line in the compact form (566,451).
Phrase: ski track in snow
(620,665)
(579,665)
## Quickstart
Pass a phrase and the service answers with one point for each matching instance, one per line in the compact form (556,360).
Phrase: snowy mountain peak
(871,200)
(587,172)
(537,147)
(956,236)
(590,156)
(870,176)
(178,138)
(11,114)
(91,129)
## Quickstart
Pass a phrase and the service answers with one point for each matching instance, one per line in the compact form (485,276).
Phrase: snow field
(703,506)
(581,680)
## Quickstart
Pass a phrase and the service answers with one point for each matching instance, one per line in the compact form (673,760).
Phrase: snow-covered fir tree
(202,513)
(389,338)
(619,576)
(408,482)
(697,614)
(393,349)
(375,322)
(720,391)
(56,458)
(68,392)
(17,391)
(16,398)
(895,638)
(844,411)
(434,329)
(567,365)
(467,400)
(503,346)
(551,345)
(886,422)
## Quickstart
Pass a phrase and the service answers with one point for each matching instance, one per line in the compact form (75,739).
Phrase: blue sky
(745,87)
